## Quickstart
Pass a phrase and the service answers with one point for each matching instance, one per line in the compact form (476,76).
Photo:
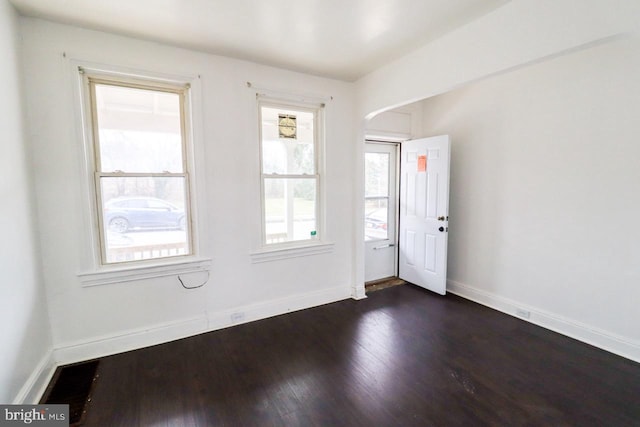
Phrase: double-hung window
(141,176)
(290,144)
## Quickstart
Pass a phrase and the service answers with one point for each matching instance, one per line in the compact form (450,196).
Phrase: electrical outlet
(237,317)
(523,313)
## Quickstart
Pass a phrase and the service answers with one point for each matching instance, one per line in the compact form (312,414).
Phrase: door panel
(432,196)
(430,250)
(380,211)
(424,205)
(410,247)
(411,194)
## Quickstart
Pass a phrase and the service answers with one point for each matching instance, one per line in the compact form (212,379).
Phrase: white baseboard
(170,331)
(37,382)
(358,293)
(621,346)
(129,340)
(263,310)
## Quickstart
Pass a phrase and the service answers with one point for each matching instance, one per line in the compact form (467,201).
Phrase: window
(141,175)
(290,179)
(376,220)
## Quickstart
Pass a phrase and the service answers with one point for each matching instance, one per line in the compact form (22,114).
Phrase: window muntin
(290,178)
(141,180)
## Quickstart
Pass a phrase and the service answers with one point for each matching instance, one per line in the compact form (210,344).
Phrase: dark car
(124,214)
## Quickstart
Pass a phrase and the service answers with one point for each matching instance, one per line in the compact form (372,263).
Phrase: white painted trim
(380,135)
(140,272)
(287,95)
(275,254)
(161,333)
(616,344)
(319,149)
(263,310)
(358,216)
(37,382)
(194,148)
(358,293)
(129,340)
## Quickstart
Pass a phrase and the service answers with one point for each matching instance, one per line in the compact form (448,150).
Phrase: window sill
(121,274)
(284,252)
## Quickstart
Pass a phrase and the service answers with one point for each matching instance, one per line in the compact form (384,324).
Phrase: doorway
(406,237)
(381,210)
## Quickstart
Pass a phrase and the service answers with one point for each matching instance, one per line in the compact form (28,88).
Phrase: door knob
(441,229)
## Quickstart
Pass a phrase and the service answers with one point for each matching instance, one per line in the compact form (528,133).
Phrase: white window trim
(280,253)
(283,250)
(93,271)
(182,90)
(166,269)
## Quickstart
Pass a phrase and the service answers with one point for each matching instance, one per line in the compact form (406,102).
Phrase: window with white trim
(290,150)
(140,131)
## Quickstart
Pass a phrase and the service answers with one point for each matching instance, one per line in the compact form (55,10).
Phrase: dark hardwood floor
(402,357)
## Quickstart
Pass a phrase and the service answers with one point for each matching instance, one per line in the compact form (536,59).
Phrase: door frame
(396,201)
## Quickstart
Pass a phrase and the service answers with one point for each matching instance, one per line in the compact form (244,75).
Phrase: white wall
(544,190)
(395,125)
(26,335)
(89,321)
(572,261)
(516,34)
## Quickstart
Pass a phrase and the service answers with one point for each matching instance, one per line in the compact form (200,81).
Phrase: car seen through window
(126,214)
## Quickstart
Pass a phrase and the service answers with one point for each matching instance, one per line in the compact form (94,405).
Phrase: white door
(380,211)
(424,210)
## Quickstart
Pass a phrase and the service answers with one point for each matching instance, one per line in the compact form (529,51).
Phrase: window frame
(318,111)
(387,198)
(92,78)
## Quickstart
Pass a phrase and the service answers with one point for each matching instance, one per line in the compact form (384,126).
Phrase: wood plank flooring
(402,357)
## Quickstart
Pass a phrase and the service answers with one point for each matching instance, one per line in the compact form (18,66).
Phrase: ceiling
(341,39)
